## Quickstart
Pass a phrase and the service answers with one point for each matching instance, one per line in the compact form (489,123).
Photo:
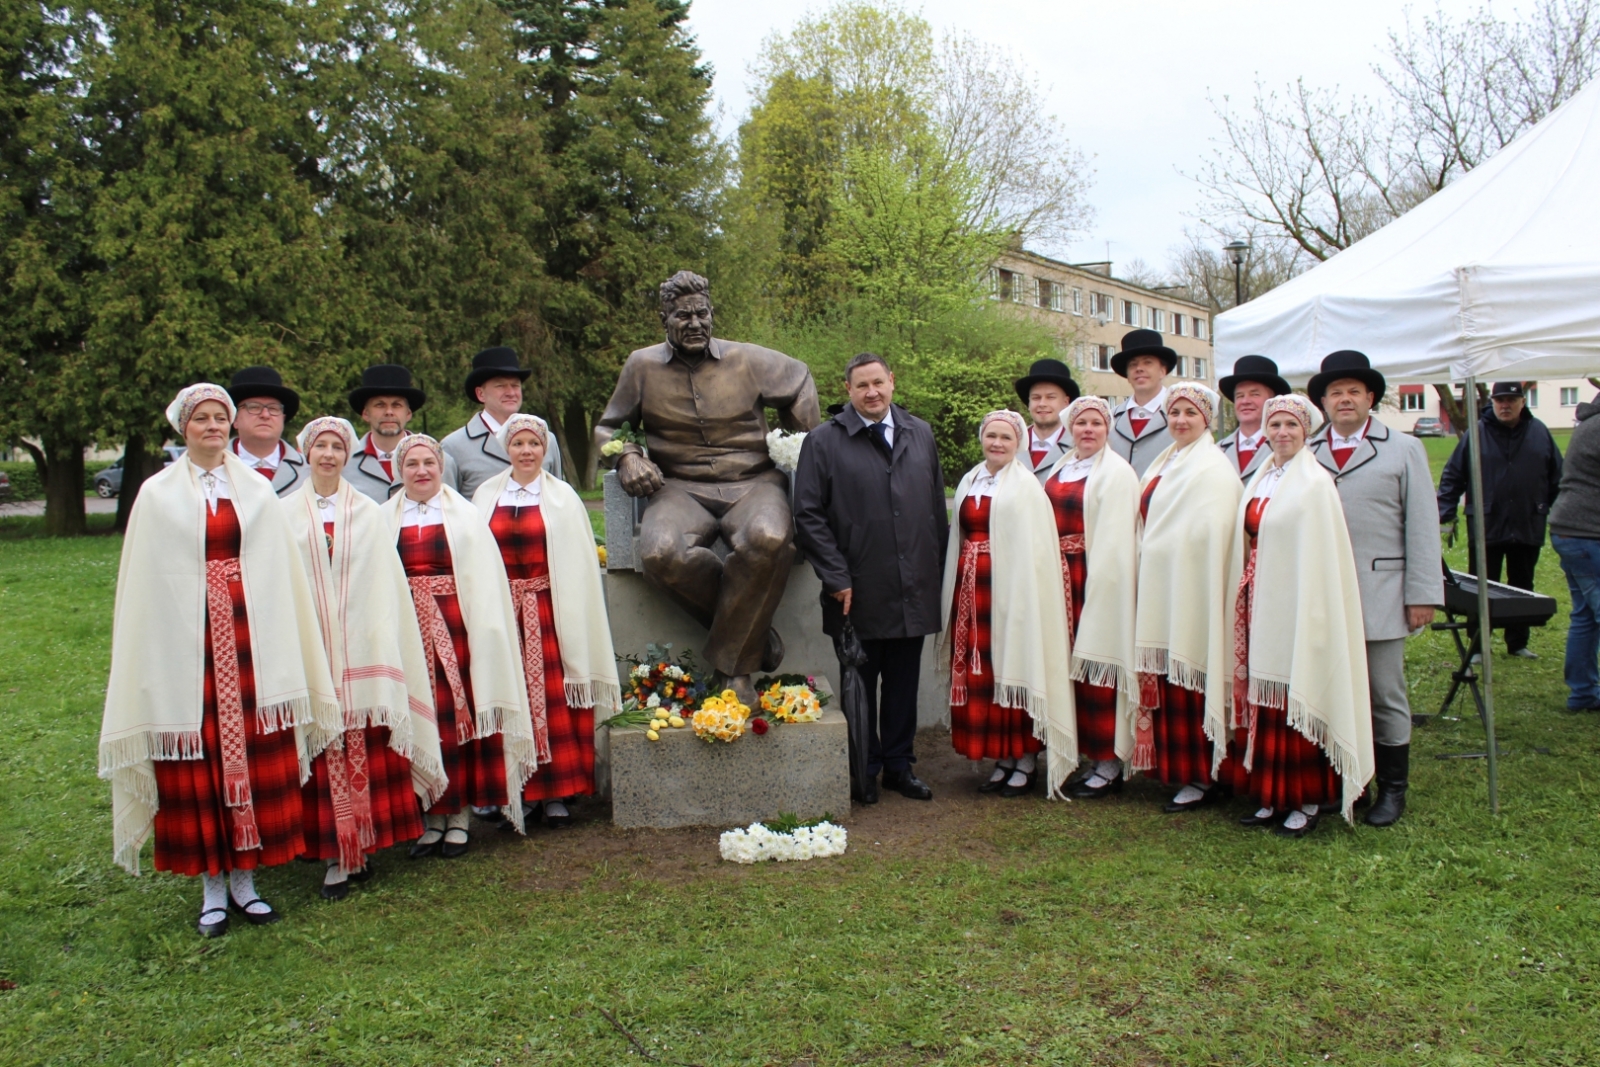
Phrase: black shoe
(868,793)
(994,785)
(213,929)
(364,874)
(1394,766)
(555,820)
(265,918)
(1207,798)
(1008,790)
(336,890)
(421,848)
(907,785)
(451,849)
(1283,830)
(1085,791)
(1260,820)
(772,652)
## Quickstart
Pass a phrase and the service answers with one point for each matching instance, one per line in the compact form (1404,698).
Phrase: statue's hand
(639,476)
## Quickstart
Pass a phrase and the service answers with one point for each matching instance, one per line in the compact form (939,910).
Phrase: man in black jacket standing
(1521,476)
(869,513)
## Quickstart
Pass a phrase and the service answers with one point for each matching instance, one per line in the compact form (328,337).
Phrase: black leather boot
(1394,766)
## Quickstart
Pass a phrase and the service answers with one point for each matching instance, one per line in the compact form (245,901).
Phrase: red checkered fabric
(477,769)
(980,728)
(327,535)
(1145,497)
(1096,704)
(520,532)
(396,814)
(193,826)
(1183,755)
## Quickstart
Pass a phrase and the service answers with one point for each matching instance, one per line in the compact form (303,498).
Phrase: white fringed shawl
(499,694)
(369,628)
(155,695)
(1308,651)
(1185,549)
(1028,619)
(583,629)
(1103,646)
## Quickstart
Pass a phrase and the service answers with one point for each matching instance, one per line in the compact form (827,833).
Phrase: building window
(1569,396)
(1130,313)
(1177,324)
(1199,368)
(1413,401)
(1051,295)
(1007,286)
(1532,394)
(1158,320)
(1077,301)
(1102,356)
(1181,368)
(1199,328)
(1100,304)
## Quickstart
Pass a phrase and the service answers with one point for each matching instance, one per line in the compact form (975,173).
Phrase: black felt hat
(1048,370)
(498,362)
(386,379)
(263,381)
(1254,369)
(1345,363)
(1142,343)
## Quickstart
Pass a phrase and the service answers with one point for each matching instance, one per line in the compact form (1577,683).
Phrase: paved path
(92,504)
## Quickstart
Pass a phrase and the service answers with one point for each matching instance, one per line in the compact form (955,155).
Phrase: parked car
(108,483)
(1428,426)
(5,486)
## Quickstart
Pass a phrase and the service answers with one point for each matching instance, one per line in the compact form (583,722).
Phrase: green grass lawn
(967,931)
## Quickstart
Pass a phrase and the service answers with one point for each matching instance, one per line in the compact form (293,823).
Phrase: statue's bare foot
(772,654)
(740,684)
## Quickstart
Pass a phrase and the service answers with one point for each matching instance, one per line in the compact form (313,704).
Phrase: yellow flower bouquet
(720,717)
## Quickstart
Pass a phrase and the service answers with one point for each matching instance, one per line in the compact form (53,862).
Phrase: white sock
(1002,770)
(432,824)
(1311,809)
(555,809)
(335,874)
(459,821)
(215,888)
(1188,795)
(242,884)
(1109,769)
(1295,821)
(1098,781)
(1027,763)
(1263,813)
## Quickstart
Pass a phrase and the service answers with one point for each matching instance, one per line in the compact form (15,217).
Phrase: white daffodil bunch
(757,842)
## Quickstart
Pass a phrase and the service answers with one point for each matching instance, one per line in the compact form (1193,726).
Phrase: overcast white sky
(1127,80)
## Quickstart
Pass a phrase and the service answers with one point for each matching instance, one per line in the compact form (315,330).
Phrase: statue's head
(686,311)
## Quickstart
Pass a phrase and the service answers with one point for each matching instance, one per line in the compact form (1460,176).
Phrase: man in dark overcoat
(870,515)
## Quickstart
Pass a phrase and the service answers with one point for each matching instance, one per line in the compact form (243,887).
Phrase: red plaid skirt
(193,827)
(980,728)
(1096,704)
(1183,755)
(520,532)
(1289,770)
(477,769)
(396,814)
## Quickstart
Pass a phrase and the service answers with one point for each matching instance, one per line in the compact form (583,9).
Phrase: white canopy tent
(1496,276)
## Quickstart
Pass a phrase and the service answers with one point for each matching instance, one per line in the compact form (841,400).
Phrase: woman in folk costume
(469,632)
(1300,696)
(219,694)
(363,791)
(1005,627)
(1187,506)
(548,548)
(1095,496)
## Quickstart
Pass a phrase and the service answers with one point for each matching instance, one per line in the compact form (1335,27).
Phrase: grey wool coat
(479,457)
(291,473)
(1390,509)
(1230,446)
(1054,451)
(875,524)
(1141,450)
(365,473)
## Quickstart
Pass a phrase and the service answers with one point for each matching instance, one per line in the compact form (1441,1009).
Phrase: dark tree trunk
(63,489)
(1453,408)
(579,433)
(137,465)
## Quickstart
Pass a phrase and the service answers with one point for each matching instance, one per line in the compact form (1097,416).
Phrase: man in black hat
(1521,476)
(1139,424)
(1047,390)
(385,400)
(264,404)
(1253,382)
(495,382)
(1387,492)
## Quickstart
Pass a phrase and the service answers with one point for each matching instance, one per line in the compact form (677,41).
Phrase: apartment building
(1089,310)
(1554,403)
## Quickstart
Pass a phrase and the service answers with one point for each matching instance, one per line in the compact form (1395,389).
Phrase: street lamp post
(1237,250)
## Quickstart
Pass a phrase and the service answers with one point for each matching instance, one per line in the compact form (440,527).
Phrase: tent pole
(1480,562)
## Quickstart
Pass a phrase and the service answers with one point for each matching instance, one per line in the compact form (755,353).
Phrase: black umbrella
(853,702)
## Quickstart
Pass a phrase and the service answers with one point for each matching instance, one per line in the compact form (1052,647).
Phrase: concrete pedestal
(681,780)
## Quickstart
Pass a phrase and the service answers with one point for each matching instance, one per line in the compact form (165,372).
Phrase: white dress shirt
(521,496)
(888,425)
(1249,442)
(1077,470)
(488,420)
(983,483)
(427,513)
(1036,443)
(213,483)
(268,463)
(1267,484)
(1335,441)
(325,507)
(1157,404)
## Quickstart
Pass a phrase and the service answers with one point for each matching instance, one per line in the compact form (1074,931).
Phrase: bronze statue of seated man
(701,402)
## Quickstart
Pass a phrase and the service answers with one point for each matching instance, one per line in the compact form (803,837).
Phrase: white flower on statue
(784,448)
(654,701)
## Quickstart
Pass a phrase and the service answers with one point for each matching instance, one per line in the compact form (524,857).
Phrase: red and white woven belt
(230,702)
(425,591)
(525,598)
(1070,544)
(966,619)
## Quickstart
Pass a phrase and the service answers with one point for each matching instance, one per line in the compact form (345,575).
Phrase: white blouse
(427,513)
(983,484)
(213,483)
(521,496)
(1267,484)
(1077,470)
